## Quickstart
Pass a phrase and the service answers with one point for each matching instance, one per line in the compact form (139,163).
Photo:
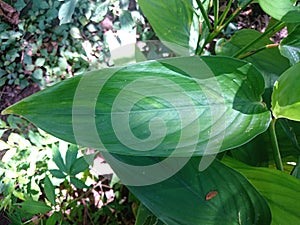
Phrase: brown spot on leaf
(210,195)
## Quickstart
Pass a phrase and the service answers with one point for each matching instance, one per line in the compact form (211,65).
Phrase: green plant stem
(275,147)
(271,29)
(224,14)
(204,14)
(220,27)
(247,54)
(216,13)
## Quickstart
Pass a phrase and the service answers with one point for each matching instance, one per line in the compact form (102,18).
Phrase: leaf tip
(7,111)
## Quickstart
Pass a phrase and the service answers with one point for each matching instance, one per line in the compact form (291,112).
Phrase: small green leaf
(100,11)
(58,174)
(75,33)
(81,164)
(57,158)
(78,183)
(49,190)
(290,46)
(40,61)
(66,11)
(71,156)
(284,10)
(35,207)
(286,95)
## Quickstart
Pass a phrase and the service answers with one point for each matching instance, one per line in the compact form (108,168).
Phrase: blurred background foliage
(41,43)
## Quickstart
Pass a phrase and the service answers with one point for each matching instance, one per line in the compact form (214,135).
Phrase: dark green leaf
(286,95)
(217,195)
(289,130)
(56,157)
(49,190)
(290,46)
(259,151)
(284,10)
(53,219)
(296,170)
(214,108)
(81,164)
(145,217)
(279,189)
(164,18)
(266,61)
(78,183)
(35,207)
(71,156)
(58,174)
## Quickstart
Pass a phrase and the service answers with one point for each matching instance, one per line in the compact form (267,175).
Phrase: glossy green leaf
(179,106)
(284,10)
(281,191)
(266,61)
(164,18)
(286,95)
(49,190)
(217,195)
(290,46)
(34,207)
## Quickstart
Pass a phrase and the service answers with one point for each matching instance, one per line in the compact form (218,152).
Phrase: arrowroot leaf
(179,107)
(282,197)
(217,195)
(286,95)
(283,10)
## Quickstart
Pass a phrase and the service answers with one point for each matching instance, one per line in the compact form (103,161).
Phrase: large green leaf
(284,10)
(173,107)
(171,21)
(179,106)
(286,95)
(266,61)
(290,46)
(281,191)
(217,195)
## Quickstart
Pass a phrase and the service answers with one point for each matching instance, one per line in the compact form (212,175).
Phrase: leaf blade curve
(150,109)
